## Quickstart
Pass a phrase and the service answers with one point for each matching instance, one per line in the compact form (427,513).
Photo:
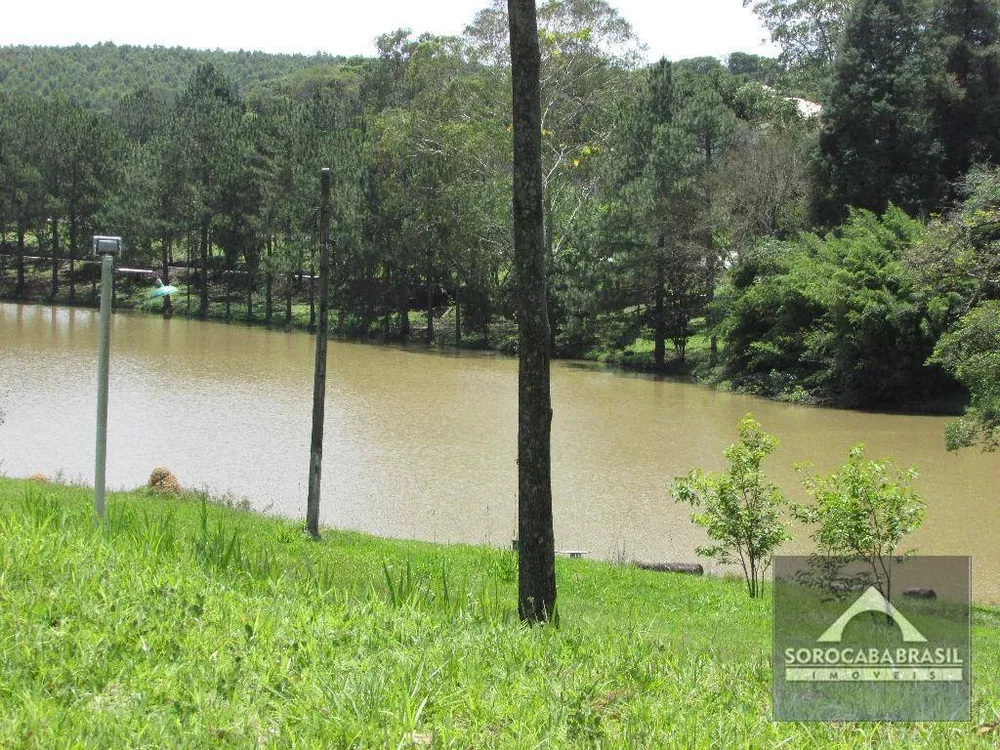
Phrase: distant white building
(806,108)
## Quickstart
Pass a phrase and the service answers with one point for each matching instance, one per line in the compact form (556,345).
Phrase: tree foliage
(808,31)
(966,94)
(740,509)
(694,220)
(971,352)
(842,317)
(863,511)
(878,144)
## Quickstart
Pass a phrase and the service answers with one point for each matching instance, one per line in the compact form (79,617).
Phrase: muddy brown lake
(422,444)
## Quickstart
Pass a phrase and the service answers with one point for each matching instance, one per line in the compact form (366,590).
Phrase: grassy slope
(163,631)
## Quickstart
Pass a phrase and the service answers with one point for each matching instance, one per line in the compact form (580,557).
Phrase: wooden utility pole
(319,378)
(103,360)
(536,547)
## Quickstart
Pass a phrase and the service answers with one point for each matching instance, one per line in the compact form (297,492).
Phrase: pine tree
(877,144)
(967,95)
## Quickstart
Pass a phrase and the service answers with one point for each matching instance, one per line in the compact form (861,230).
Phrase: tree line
(694,216)
(97,76)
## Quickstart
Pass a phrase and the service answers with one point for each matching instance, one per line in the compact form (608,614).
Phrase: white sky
(672,28)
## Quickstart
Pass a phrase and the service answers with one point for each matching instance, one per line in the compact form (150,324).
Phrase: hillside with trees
(695,219)
(98,77)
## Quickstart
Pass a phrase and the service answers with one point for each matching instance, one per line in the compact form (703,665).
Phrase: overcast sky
(672,28)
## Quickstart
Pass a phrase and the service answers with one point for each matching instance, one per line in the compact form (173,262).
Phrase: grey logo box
(861,642)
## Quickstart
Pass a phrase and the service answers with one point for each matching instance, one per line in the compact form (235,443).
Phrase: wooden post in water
(319,378)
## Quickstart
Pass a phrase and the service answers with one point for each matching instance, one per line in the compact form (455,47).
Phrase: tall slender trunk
(710,259)
(190,262)
(228,285)
(55,258)
(19,290)
(387,302)
(250,286)
(268,284)
(536,540)
(168,307)
(430,311)
(659,316)
(312,293)
(288,302)
(73,238)
(206,221)
(550,300)
(403,309)
(319,377)
(458,317)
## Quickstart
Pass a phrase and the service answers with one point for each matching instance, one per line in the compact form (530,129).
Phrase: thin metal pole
(319,379)
(103,356)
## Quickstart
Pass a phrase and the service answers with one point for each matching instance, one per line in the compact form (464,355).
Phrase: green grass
(190,624)
(639,354)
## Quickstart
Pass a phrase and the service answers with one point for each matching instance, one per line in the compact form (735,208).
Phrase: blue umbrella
(162,290)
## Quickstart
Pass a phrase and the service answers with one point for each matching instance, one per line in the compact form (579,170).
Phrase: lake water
(423,444)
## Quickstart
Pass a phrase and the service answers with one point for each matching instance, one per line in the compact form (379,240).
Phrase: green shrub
(740,508)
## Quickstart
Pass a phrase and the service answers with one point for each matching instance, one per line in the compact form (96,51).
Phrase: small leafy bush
(740,509)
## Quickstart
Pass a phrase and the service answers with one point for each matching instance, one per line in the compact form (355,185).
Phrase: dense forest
(98,77)
(701,215)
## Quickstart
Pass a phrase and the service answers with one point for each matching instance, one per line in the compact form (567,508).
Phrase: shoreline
(443,345)
(245,505)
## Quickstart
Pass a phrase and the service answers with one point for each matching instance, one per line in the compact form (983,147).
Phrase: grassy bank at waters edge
(189,624)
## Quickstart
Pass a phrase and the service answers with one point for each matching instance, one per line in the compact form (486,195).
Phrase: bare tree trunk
(168,308)
(250,284)
(268,285)
(550,254)
(536,541)
(19,290)
(312,294)
(403,307)
(73,236)
(288,302)
(55,258)
(659,317)
(387,301)
(458,316)
(710,259)
(206,221)
(319,378)
(430,311)
(229,291)
(190,260)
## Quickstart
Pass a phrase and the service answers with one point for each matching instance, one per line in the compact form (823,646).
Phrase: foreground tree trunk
(536,546)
